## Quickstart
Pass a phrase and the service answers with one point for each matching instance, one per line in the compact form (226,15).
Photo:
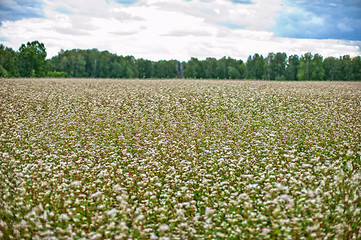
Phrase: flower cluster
(179,159)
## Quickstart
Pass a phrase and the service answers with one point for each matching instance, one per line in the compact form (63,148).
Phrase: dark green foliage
(347,68)
(276,66)
(256,67)
(356,66)
(8,62)
(30,61)
(56,74)
(145,68)
(332,68)
(292,67)
(193,69)
(311,67)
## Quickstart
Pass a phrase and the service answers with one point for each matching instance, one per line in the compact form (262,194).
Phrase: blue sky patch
(242,1)
(4,39)
(320,19)
(126,2)
(231,25)
(19,9)
(63,10)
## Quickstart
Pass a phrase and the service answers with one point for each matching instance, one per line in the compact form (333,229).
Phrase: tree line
(30,61)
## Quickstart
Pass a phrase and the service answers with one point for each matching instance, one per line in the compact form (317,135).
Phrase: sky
(181,29)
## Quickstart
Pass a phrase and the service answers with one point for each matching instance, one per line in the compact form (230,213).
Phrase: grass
(179,159)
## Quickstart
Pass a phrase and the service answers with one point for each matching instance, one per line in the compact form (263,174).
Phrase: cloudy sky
(180,29)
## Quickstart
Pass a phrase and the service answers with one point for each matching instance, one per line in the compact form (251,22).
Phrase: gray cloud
(13,10)
(124,16)
(71,31)
(166,29)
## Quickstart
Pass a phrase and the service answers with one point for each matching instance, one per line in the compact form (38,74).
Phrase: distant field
(179,159)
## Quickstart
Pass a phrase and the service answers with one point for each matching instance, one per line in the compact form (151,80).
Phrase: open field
(179,159)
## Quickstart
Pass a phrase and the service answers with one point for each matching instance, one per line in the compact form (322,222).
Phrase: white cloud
(165,29)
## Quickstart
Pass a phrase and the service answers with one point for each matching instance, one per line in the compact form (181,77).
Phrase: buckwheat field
(179,159)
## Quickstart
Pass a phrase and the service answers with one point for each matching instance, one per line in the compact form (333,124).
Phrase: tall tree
(221,68)
(292,67)
(193,69)
(332,68)
(280,65)
(116,69)
(356,66)
(32,60)
(347,68)
(210,65)
(256,67)
(317,70)
(8,59)
(145,68)
(305,65)
(270,60)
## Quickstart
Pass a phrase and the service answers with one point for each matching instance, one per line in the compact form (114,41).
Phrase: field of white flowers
(179,159)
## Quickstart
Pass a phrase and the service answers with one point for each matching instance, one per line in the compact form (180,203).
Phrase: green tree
(356,66)
(116,69)
(210,65)
(256,67)
(167,69)
(233,73)
(332,69)
(347,68)
(317,70)
(311,67)
(276,66)
(55,74)
(270,60)
(222,68)
(32,60)
(280,65)
(242,69)
(305,66)
(8,59)
(193,69)
(292,67)
(145,68)
(179,69)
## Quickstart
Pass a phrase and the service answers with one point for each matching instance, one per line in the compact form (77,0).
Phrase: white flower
(95,236)
(112,213)
(349,165)
(251,186)
(117,188)
(312,228)
(97,194)
(265,231)
(288,199)
(163,228)
(311,193)
(3,224)
(153,236)
(349,152)
(63,217)
(164,238)
(209,211)
(140,217)
(280,186)
(76,183)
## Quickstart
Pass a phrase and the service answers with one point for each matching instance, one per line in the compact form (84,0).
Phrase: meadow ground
(179,159)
